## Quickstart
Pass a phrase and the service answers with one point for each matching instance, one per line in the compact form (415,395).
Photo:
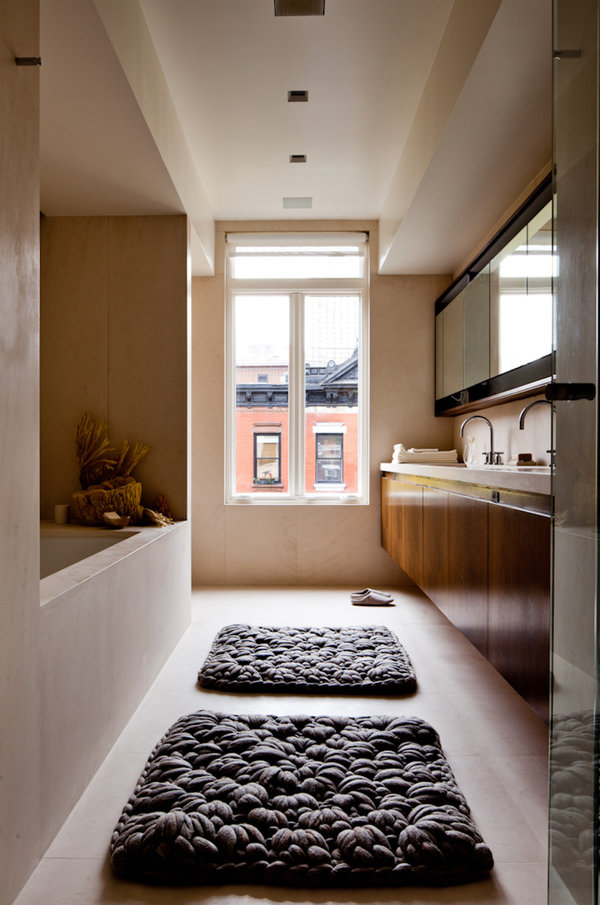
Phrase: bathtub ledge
(59,583)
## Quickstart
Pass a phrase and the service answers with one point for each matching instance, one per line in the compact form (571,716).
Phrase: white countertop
(529,480)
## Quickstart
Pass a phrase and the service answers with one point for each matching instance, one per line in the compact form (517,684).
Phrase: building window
(297,312)
(267,459)
(329,459)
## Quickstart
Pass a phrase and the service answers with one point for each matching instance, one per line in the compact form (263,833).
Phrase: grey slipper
(371,597)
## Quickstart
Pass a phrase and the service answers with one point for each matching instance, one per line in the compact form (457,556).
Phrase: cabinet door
(388,516)
(519,602)
(435,546)
(402,524)
(455,540)
(467,595)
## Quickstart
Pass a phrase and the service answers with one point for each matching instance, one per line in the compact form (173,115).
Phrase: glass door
(573,839)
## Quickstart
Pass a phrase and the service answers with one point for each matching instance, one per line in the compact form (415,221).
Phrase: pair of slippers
(370,597)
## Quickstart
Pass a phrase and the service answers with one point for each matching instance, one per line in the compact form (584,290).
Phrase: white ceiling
(184,108)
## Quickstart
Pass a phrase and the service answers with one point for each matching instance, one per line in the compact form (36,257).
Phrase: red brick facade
(255,420)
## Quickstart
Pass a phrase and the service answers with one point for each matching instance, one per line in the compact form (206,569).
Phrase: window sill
(279,499)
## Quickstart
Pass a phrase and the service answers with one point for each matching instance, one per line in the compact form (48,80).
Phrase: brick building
(331,428)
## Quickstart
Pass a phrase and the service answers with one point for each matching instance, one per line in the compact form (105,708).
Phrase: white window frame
(297,289)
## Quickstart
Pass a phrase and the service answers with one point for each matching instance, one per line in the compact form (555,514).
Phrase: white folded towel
(423,456)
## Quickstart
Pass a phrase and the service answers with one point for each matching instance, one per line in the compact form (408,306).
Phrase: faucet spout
(522,416)
(530,406)
(489,456)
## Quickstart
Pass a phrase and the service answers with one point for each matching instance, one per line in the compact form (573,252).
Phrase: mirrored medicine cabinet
(493,325)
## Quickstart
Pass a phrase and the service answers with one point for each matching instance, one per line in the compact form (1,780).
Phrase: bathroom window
(297,311)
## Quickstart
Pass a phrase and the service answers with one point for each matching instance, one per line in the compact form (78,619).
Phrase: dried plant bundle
(99,462)
(94,452)
(129,457)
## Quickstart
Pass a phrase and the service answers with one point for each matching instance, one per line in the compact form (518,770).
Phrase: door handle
(569,392)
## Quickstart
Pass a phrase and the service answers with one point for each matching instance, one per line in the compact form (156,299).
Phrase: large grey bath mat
(351,660)
(303,801)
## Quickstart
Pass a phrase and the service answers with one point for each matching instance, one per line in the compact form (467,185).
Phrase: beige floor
(494,742)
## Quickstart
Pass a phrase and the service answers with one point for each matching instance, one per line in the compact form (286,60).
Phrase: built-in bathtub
(108,622)
(59,550)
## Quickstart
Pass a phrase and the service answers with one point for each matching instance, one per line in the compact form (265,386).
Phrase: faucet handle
(487,458)
(498,458)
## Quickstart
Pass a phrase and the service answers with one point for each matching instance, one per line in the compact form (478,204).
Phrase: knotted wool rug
(298,800)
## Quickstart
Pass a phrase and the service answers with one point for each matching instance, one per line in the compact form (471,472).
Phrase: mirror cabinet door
(477,329)
(492,332)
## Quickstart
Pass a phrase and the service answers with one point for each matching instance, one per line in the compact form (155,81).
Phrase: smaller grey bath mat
(298,801)
(365,659)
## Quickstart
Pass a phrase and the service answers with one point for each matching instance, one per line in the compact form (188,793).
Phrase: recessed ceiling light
(297,202)
(299,7)
(297,97)
(297,158)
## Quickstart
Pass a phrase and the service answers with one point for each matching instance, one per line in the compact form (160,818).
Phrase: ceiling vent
(297,202)
(299,7)
(297,158)
(297,97)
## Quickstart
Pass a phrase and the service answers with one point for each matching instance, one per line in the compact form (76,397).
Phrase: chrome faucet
(492,457)
(522,421)
(530,406)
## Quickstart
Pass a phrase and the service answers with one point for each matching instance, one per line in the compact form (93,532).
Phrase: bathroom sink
(528,469)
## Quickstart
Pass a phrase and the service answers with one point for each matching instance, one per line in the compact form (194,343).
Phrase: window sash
(277,254)
(272,457)
(297,492)
(329,458)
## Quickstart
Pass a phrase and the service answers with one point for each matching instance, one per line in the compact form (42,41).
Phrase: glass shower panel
(573,764)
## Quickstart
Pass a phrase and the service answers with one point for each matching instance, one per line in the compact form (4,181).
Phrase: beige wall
(114,342)
(311,545)
(20,844)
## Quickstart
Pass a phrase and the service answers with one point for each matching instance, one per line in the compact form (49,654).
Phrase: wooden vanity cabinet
(486,566)
(402,525)
(519,602)
(465,600)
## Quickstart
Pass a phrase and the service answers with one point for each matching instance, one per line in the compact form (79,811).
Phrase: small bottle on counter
(469,452)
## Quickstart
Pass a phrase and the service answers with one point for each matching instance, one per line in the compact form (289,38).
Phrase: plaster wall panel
(74,352)
(208,538)
(261,545)
(114,343)
(21,845)
(208,382)
(403,366)
(331,555)
(147,315)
